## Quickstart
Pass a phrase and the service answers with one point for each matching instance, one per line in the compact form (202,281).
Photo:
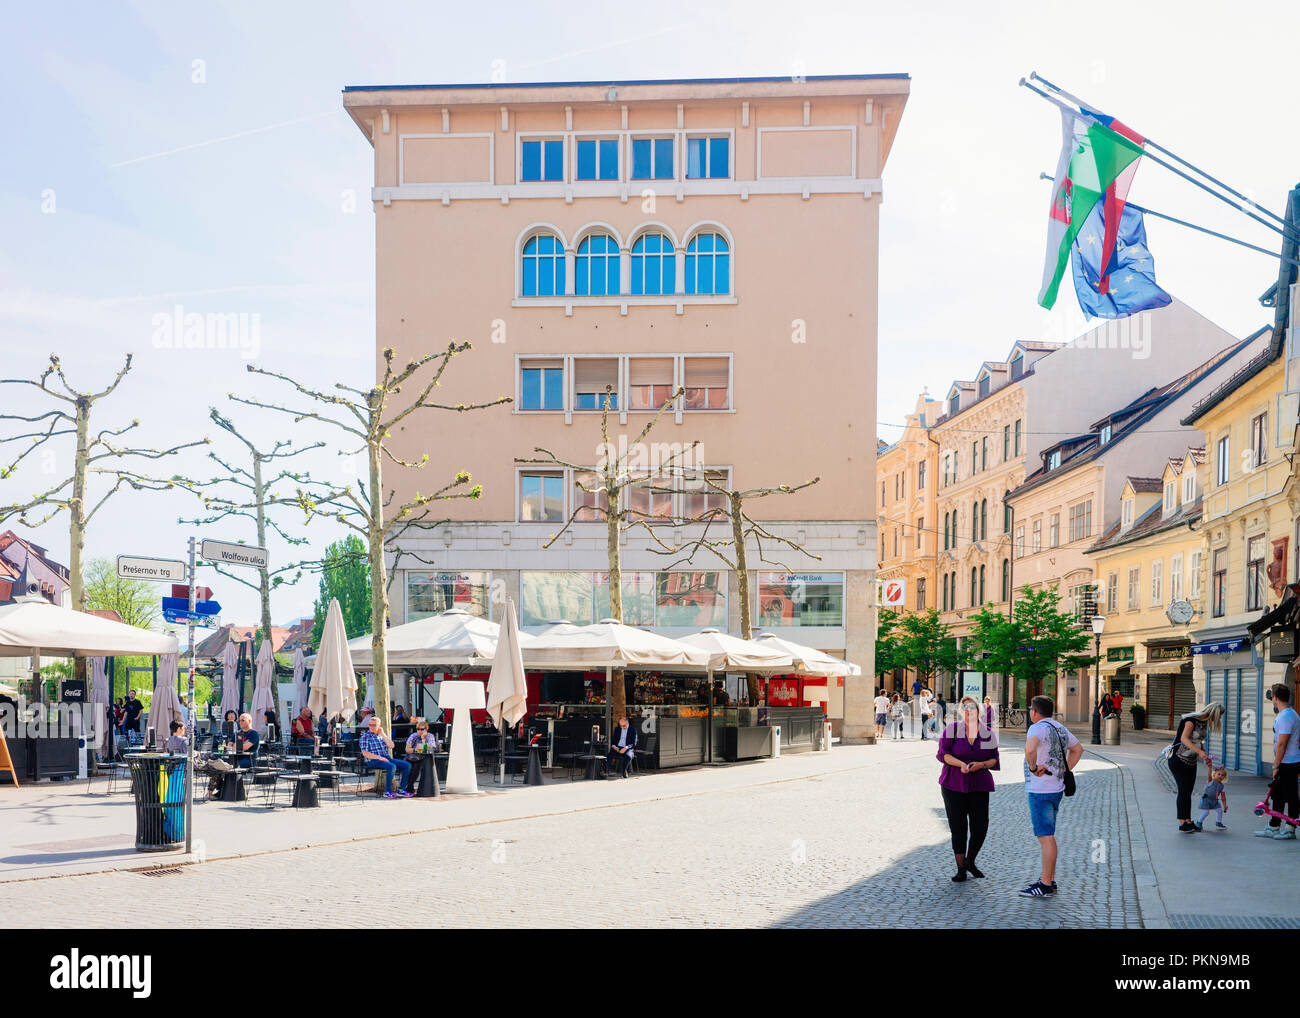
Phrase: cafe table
(426,776)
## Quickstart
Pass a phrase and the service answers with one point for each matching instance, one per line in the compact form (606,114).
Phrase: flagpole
(1035,76)
(1193,226)
(1156,159)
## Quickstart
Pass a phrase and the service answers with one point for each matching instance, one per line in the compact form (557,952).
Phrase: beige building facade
(641,236)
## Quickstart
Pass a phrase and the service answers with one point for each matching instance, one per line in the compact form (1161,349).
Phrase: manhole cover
(161,873)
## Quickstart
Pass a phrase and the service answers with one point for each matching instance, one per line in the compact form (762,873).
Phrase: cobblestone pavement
(866,847)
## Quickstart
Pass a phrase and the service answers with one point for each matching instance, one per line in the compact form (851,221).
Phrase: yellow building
(905,475)
(1149,559)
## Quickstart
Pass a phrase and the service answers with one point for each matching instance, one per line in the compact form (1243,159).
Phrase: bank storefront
(1233,675)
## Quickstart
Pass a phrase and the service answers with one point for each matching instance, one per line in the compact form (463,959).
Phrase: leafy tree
(926,644)
(345,574)
(888,643)
(136,601)
(1035,644)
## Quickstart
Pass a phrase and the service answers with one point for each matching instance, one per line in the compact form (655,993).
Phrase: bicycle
(1014,718)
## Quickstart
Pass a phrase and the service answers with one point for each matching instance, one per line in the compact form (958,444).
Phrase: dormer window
(1017,366)
(954,403)
(1127,517)
(1104,437)
(1171,496)
(1189,486)
(984,386)
(1054,459)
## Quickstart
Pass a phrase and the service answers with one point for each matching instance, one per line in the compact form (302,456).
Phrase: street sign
(185,618)
(182,604)
(233,554)
(893,593)
(137,567)
(200,593)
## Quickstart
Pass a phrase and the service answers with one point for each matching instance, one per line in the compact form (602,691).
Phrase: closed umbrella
(333,680)
(300,678)
(99,699)
(507,689)
(263,701)
(166,706)
(229,677)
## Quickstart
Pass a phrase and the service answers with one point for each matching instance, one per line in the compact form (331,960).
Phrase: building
(1059,509)
(27,571)
(1149,558)
(640,236)
(905,474)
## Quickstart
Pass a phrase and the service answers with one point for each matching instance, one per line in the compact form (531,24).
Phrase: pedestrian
(1214,797)
(989,712)
(882,712)
(968,750)
(897,712)
(1107,705)
(1283,792)
(1184,751)
(134,708)
(941,708)
(927,712)
(1053,751)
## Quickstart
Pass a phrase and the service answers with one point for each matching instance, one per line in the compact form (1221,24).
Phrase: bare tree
(249,500)
(732,549)
(616,471)
(371,510)
(97,457)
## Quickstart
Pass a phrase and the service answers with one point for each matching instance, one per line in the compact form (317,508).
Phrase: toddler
(1214,797)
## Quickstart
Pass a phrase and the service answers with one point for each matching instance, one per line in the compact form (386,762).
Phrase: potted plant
(1139,717)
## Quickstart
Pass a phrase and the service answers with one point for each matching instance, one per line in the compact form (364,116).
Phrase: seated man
(622,745)
(376,752)
(303,731)
(421,741)
(246,740)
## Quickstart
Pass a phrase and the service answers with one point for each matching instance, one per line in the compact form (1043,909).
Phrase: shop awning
(1220,646)
(1282,615)
(1169,666)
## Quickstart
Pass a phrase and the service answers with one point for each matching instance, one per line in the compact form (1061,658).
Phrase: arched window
(654,265)
(1006,512)
(975,521)
(973,600)
(945,591)
(981,584)
(946,532)
(543,267)
(953,584)
(984,519)
(596,268)
(708,264)
(1006,579)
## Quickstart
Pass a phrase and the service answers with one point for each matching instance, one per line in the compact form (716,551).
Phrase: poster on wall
(972,684)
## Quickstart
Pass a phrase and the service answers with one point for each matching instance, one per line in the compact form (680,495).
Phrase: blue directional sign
(182,604)
(185,618)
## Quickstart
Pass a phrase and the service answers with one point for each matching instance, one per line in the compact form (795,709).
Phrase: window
(882,494)
(920,594)
(638,597)
(974,521)
(1006,442)
(542,160)
(947,531)
(1006,512)
(945,591)
(1017,366)
(920,477)
(801,599)
(1157,583)
(954,402)
(708,264)
(1112,593)
(1255,577)
(984,519)
(1189,486)
(952,583)
(1171,496)
(1126,516)
(1176,577)
(1036,543)
(920,530)
(1259,440)
(1081,521)
(1054,459)
(974,457)
(984,453)
(598,159)
(543,267)
(1054,530)
(691,599)
(596,268)
(697,501)
(650,497)
(973,597)
(591,501)
(895,542)
(649,382)
(981,600)
(652,159)
(706,383)
(541,497)
(654,265)
(547,596)
(1104,437)
(984,386)
(1020,541)
(541,385)
(1221,462)
(707,157)
(431,593)
(591,377)
(1134,588)
(1018,429)
(1195,585)
(1006,579)
(1219,583)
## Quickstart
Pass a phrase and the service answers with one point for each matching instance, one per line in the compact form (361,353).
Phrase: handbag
(1068,776)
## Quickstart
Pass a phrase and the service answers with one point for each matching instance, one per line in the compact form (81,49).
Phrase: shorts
(1043,807)
(880,719)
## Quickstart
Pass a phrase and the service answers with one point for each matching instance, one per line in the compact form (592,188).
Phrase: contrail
(229,137)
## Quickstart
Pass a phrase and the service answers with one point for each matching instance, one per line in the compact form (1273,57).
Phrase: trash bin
(1110,730)
(158,783)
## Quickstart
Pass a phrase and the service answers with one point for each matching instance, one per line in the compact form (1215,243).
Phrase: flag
(1117,194)
(1131,271)
(1093,157)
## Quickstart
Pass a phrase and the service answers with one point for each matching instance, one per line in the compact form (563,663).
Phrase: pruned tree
(135,601)
(617,469)
(733,547)
(368,417)
(97,456)
(248,500)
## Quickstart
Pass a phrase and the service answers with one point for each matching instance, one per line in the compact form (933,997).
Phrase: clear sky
(161,155)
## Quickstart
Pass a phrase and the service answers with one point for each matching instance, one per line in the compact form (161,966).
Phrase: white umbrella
(807,660)
(99,698)
(333,681)
(230,676)
(507,689)
(166,705)
(300,677)
(733,654)
(38,628)
(262,699)
(611,644)
(450,639)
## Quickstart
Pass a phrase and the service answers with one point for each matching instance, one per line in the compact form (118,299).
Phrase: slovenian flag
(1093,158)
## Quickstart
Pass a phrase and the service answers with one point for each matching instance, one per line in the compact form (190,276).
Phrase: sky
(162,159)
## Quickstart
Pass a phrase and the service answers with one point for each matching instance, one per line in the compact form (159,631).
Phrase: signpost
(227,554)
(183,591)
(181,604)
(136,567)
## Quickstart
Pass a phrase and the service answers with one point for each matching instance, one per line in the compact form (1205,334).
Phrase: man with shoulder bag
(1051,752)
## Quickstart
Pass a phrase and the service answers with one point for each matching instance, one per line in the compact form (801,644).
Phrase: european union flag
(1130,278)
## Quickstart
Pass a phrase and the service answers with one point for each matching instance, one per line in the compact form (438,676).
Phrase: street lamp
(1098,627)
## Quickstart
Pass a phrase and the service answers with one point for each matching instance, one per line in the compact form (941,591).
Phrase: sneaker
(1187,827)
(391,795)
(1038,889)
(1200,826)
(1266,832)
(403,794)
(1285,833)
(1220,827)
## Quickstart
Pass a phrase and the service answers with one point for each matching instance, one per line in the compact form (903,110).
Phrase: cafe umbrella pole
(189,735)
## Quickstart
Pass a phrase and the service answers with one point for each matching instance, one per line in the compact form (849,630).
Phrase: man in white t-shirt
(1050,750)
(882,713)
(1286,762)
(927,710)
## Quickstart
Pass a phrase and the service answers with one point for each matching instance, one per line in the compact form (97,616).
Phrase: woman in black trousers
(968,751)
(1187,748)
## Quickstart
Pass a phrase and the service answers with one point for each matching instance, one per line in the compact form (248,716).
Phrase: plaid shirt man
(372,742)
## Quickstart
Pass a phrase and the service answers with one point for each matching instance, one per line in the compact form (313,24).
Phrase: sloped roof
(1153,521)
(1146,485)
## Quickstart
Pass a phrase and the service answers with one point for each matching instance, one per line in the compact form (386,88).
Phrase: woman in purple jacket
(968,750)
